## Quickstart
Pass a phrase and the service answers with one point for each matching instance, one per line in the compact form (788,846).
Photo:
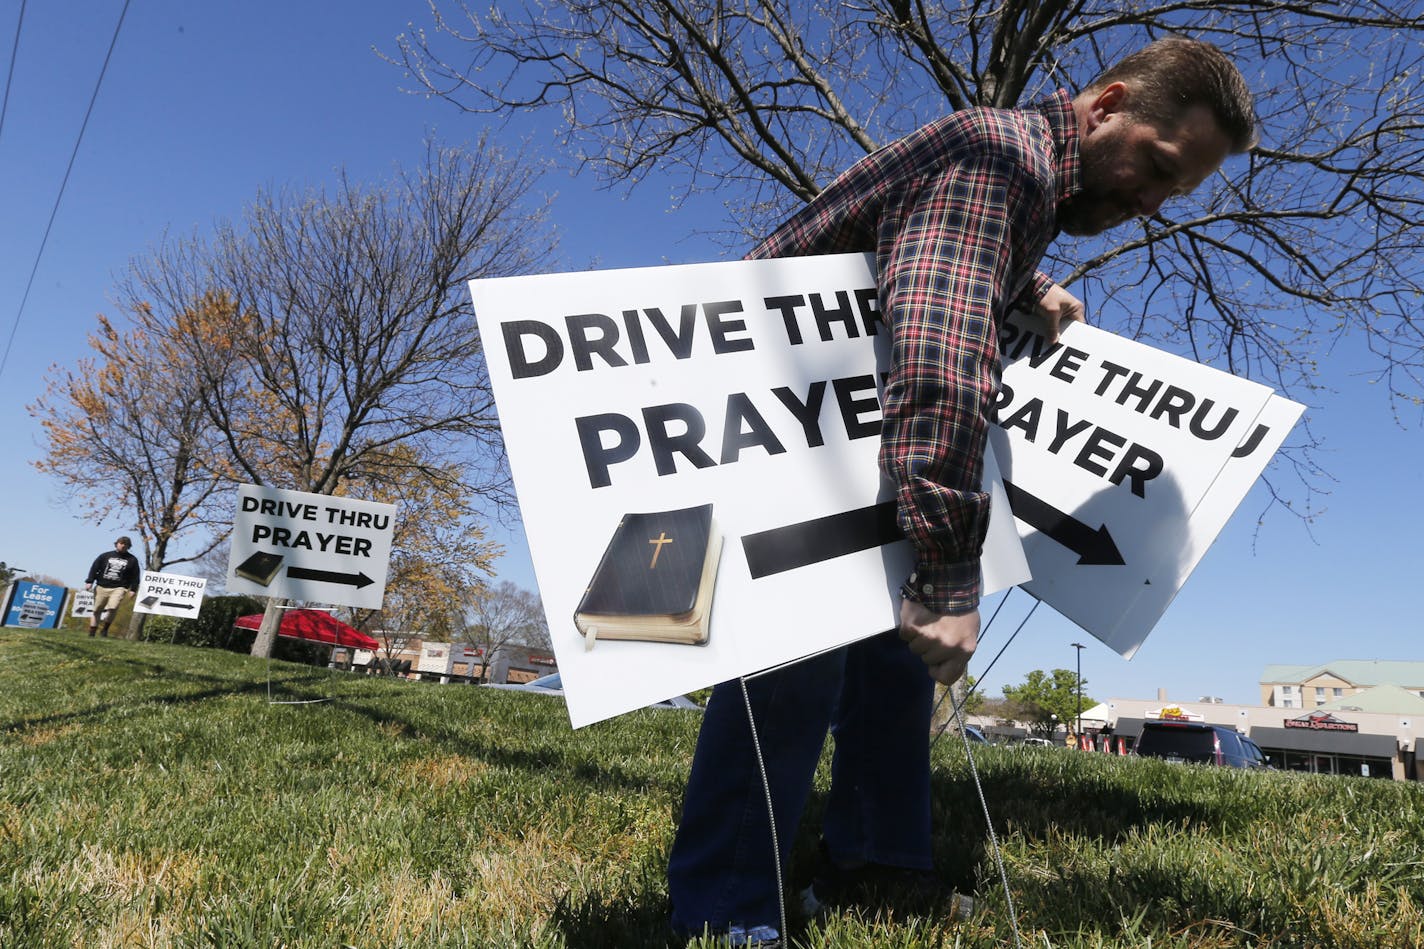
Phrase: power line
(54,212)
(10,75)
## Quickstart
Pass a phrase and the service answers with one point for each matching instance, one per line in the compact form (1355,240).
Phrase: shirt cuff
(1027,301)
(949,588)
(1039,286)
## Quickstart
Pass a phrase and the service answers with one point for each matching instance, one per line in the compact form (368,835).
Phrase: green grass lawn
(153,795)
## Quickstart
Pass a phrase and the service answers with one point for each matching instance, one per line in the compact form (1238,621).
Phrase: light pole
(1079,647)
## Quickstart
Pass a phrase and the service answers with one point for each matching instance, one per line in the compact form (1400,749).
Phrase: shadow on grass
(218,687)
(622,921)
(1097,797)
(581,760)
(636,917)
(1031,795)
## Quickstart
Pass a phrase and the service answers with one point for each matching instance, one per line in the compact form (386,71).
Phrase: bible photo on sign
(654,582)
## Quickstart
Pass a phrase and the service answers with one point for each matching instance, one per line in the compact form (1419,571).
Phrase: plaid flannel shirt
(959,214)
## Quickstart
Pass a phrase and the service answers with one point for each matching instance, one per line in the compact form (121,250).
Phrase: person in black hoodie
(113,576)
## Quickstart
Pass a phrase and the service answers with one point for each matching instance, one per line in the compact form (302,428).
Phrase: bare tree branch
(1310,240)
(350,355)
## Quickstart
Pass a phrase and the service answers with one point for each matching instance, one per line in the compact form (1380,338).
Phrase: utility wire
(4,359)
(10,75)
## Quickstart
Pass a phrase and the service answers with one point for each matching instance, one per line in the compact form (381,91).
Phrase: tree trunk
(136,624)
(267,632)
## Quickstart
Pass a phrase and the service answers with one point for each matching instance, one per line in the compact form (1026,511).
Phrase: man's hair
(125,541)
(1173,74)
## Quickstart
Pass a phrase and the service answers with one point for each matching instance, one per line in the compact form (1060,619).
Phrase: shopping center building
(1349,717)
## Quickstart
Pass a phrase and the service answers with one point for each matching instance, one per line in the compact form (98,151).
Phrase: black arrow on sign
(357,580)
(820,539)
(1093,547)
(175,603)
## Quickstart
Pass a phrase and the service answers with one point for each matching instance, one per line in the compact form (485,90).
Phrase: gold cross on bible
(657,543)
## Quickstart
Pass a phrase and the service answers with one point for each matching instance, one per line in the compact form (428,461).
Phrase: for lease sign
(34,605)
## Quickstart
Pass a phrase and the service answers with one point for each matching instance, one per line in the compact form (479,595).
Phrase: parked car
(1198,743)
(553,684)
(976,737)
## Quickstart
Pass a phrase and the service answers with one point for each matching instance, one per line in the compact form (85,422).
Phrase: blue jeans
(875,696)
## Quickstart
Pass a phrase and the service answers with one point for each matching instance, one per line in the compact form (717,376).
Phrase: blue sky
(204,104)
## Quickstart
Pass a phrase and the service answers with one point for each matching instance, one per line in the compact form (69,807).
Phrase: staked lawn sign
(1122,464)
(679,431)
(312,547)
(169,594)
(717,425)
(81,604)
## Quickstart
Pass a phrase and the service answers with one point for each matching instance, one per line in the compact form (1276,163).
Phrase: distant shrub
(211,628)
(160,629)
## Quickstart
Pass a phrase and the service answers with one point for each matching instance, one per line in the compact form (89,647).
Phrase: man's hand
(944,642)
(1058,307)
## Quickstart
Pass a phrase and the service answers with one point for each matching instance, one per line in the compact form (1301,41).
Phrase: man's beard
(1095,208)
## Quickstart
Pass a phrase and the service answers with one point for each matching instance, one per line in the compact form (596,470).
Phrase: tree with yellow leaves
(440,555)
(347,356)
(127,435)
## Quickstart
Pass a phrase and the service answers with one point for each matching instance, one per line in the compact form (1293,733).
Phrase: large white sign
(440,658)
(1122,464)
(311,547)
(169,594)
(694,449)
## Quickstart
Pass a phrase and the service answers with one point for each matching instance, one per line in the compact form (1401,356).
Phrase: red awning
(314,626)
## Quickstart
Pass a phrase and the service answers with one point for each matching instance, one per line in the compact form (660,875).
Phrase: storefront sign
(1323,722)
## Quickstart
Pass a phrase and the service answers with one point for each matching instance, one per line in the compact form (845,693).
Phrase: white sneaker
(758,937)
